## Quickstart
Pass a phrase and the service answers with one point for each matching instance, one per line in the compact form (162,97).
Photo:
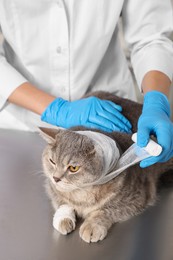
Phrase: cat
(73,158)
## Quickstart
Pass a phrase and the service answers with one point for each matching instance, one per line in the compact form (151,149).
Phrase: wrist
(51,113)
(31,98)
(156,80)
(158,100)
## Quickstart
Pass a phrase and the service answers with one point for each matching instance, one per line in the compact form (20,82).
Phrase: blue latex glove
(90,112)
(155,120)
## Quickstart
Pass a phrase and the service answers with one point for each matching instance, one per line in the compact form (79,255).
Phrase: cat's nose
(56,179)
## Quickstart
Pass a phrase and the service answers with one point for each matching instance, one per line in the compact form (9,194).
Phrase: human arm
(15,88)
(148,28)
(155,117)
(89,112)
(31,98)
(156,80)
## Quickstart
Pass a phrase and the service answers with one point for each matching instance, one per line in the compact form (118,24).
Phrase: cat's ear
(90,150)
(48,134)
(88,147)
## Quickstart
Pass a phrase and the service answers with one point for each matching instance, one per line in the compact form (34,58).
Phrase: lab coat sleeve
(148,27)
(10,78)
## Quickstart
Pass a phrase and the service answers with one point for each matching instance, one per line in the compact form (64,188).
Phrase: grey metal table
(26,231)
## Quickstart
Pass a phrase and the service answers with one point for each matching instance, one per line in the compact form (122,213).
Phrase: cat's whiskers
(38,173)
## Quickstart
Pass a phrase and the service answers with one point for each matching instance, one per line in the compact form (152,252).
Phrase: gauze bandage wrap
(106,147)
(64,211)
(133,155)
(113,163)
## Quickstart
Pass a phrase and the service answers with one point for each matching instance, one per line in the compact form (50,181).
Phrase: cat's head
(70,157)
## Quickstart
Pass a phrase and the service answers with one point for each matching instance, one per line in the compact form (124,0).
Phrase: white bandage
(64,211)
(106,147)
(113,163)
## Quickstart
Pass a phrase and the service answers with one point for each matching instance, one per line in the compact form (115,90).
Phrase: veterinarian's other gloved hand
(90,112)
(155,120)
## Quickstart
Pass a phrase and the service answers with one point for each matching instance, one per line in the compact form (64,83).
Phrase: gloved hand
(90,112)
(155,120)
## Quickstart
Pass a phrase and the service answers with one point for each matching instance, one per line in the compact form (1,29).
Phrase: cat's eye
(52,161)
(73,168)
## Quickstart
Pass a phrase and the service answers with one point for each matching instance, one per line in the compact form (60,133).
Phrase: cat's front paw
(64,219)
(65,226)
(91,232)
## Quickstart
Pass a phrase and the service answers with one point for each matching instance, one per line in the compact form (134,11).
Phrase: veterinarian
(56,51)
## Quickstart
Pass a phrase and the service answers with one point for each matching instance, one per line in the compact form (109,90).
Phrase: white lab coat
(71,47)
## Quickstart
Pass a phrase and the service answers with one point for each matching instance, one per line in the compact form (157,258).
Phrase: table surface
(26,231)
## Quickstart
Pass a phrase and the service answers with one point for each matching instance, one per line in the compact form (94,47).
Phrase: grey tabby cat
(72,158)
